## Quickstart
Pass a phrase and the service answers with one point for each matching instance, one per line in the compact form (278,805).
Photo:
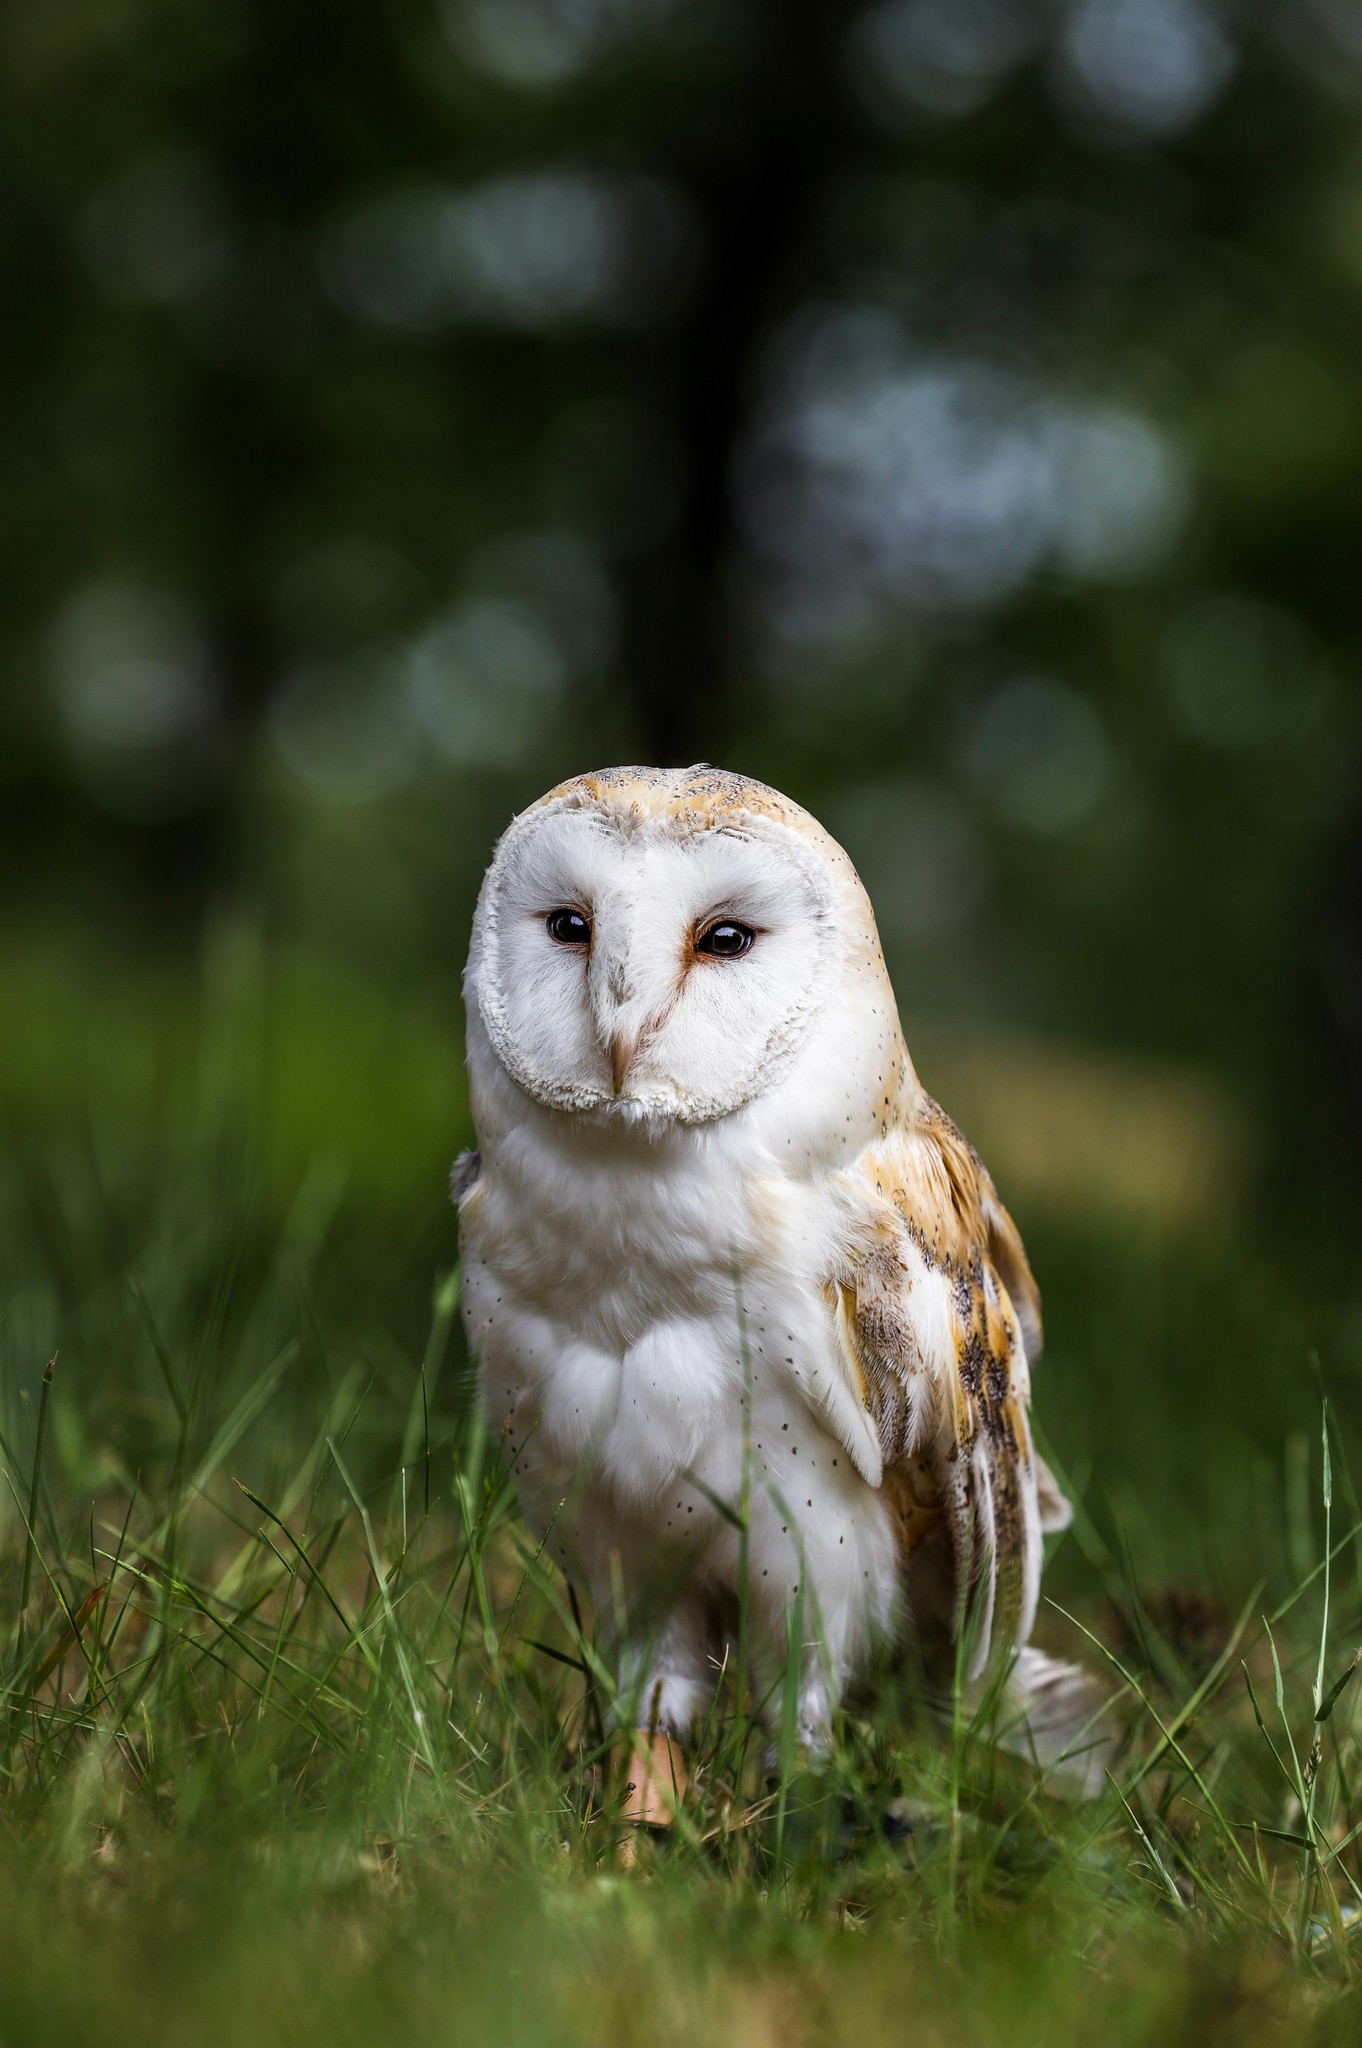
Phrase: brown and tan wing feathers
(938,1319)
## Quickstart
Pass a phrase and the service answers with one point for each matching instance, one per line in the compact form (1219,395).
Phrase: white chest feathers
(656,1363)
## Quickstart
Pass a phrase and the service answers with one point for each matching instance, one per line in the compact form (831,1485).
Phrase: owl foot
(654,1773)
(812,1745)
(810,1758)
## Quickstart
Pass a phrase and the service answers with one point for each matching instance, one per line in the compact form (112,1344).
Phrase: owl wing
(938,1320)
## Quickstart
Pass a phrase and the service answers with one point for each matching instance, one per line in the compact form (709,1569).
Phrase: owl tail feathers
(1060,1718)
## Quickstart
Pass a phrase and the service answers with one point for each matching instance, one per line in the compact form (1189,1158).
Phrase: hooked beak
(622,1049)
(625,1019)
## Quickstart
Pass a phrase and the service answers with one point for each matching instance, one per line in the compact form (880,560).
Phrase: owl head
(665,946)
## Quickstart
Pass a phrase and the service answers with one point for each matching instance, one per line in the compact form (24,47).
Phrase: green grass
(300,1738)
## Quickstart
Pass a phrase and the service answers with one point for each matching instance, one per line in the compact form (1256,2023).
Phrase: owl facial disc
(659,968)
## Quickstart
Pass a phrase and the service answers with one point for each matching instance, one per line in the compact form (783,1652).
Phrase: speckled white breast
(616,1349)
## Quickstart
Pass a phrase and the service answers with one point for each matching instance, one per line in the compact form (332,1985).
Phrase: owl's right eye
(569,927)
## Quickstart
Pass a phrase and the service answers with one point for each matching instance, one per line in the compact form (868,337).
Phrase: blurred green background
(947,410)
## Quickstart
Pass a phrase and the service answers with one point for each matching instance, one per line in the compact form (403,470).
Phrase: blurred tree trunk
(756,191)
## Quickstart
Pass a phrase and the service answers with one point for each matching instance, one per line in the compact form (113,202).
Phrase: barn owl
(726,1261)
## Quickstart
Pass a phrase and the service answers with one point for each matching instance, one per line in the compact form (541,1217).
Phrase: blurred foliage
(947,410)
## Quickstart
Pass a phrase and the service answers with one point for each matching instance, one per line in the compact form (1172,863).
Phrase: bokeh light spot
(138,712)
(542,45)
(1151,67)
(344,726)
(547,249)
(1038,754)
(156,230)
(942,57)
(1237,670)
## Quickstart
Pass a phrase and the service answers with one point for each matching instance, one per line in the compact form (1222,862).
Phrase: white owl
(721,1247)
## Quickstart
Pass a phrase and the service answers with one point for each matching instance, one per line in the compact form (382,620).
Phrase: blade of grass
(159,1348)
(35,1482)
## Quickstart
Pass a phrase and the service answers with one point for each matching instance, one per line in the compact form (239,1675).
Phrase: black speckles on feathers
(971,1360)
(959,1461)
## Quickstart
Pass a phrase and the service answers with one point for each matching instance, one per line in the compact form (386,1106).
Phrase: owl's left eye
(725,939)
(569,927)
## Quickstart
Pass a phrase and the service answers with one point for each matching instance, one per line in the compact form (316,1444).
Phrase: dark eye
(569,927)
(725,940)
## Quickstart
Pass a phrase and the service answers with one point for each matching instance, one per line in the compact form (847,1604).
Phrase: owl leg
(815,1716)
(813,1724)
(653,1771)
(664,1681)
(783,1668)
(818,1670)
(662,1686)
